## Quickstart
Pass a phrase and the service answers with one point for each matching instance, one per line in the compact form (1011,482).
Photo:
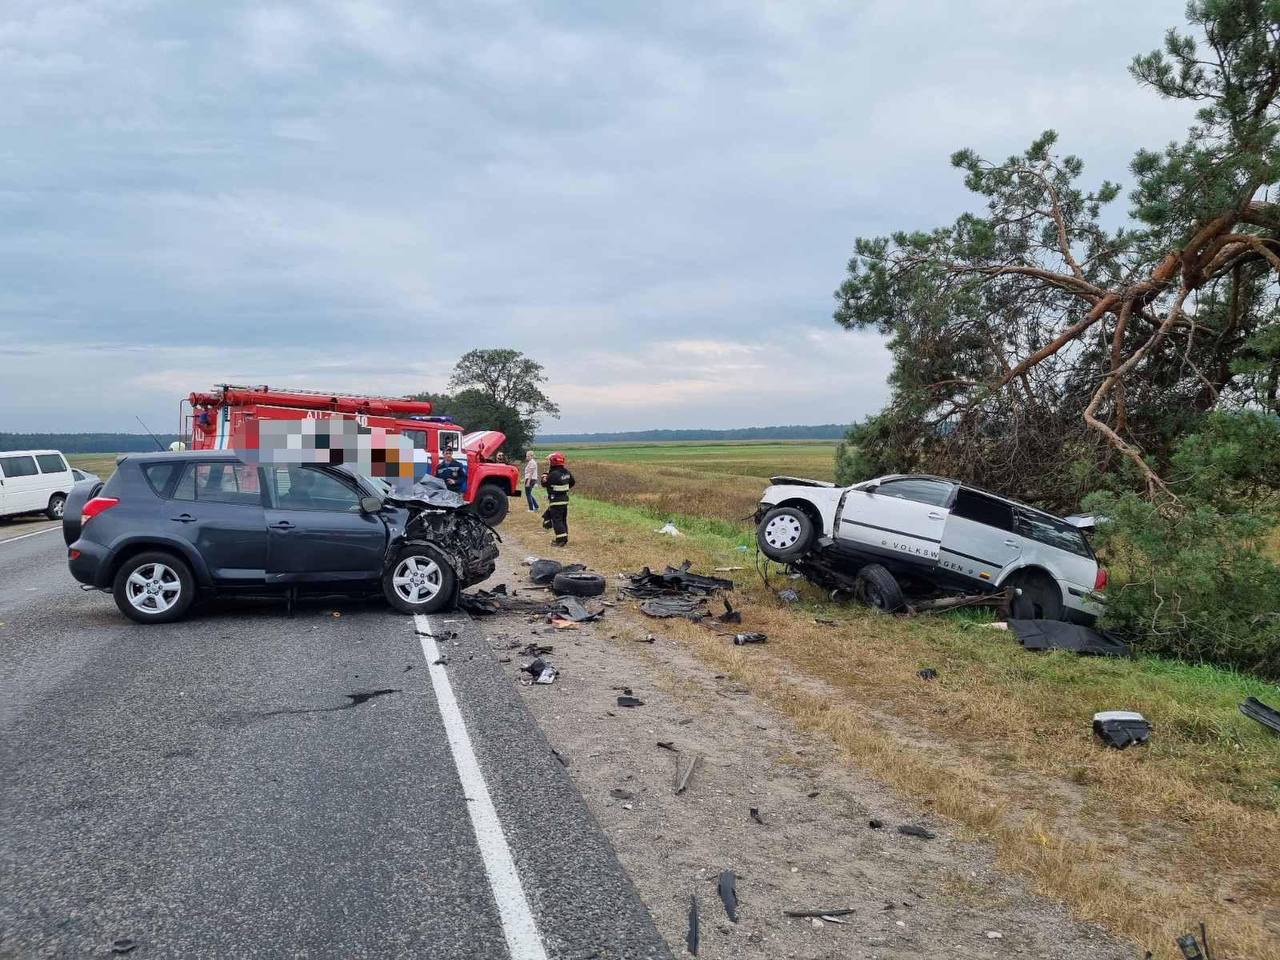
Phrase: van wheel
(1037,597)
(879,589)
(154,587)
(420,580)
(56,505)
(785,534)
(491,504)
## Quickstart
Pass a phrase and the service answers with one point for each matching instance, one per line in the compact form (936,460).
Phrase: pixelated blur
(373,451)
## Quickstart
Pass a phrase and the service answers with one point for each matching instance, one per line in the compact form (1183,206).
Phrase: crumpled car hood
(468,543)
(428,492)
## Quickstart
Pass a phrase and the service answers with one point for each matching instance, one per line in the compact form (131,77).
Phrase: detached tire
(785,534)
(1038,598)
(419,580)
(57,504)
(154,587)
(879,589)
(578,584)
(491,504)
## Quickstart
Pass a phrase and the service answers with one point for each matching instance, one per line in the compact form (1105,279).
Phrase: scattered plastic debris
(928,673)
(821,914)
(683,776)
(911,830)
(1060,635)
(1119,729)
(994,935)
(728,888)
(739,639)
(541,671)
(875,824)
(619,794)
(788,595)
(730,615)
(669,529)
(124,945)
(646,583)
(755,815)
(691,608)
(629,701)
(1255,709)
(691,938)
(668,745)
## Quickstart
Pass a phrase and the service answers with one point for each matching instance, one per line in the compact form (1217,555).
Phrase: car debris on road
(1255,709)
(1120,729)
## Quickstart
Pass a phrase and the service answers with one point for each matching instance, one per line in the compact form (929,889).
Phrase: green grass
(103,464)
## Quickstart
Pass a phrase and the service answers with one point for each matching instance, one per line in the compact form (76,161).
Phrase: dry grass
(666,492)
(1148,842)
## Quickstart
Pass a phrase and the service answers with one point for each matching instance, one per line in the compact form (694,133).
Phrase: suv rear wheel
(785,534)
(154,587)
(419,581)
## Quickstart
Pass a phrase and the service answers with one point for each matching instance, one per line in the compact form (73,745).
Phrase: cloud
(653,200)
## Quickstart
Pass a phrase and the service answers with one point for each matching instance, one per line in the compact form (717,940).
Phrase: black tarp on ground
(1058,635)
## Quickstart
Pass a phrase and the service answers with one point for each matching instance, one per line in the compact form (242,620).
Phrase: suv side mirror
(370,504)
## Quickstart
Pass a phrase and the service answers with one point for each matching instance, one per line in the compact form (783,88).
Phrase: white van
(34,481)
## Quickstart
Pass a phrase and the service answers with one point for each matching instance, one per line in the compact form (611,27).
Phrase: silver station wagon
(882,535)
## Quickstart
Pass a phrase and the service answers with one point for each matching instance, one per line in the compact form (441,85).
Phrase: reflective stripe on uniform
(559,487)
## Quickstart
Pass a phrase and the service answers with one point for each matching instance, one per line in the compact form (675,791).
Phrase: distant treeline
(821,431)
(85,442)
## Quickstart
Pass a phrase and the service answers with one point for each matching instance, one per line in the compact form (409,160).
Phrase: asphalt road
(249,784)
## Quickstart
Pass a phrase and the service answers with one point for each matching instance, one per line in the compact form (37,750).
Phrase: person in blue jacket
(453,473)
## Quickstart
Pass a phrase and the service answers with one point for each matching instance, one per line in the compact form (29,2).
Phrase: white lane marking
(518,926)
(25,535)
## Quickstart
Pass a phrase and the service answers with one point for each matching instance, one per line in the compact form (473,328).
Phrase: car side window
(18,466)
(980,508)
(220,483)
(1053,533)
(51,463)
(160,475)
(936,493)
(306,488)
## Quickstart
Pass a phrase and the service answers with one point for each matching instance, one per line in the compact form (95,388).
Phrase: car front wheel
(420,580)
(785,534)
(154,587)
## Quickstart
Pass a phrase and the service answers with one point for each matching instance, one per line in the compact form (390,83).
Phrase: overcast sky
(655,200)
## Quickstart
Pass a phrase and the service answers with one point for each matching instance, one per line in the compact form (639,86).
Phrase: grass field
(1148,842)
(103,464)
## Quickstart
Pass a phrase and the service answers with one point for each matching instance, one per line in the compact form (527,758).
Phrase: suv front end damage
(438,518)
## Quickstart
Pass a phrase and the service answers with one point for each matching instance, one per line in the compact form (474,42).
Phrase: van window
(981,508)
(936,493)
(51,463)
(18,466)
(1053,533)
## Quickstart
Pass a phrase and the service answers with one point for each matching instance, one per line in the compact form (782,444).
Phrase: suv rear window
(51,463)
(1053,533)
(160,475)
(18,466)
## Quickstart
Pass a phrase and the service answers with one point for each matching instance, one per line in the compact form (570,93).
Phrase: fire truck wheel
(491,504)
(419,580)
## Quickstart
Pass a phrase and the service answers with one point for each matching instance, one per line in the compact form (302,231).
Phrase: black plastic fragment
(928,673)
(1255,709)
(668,745)
(755,815)
(124,945)
(691,938)
(619,794)
(836,912)
(875,824)
(628,701)
(730,615)
(911,830)
(728,888)
(1119,729)
(1060,635)
(740,639)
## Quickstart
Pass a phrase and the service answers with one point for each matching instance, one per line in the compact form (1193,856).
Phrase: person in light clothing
(531,481)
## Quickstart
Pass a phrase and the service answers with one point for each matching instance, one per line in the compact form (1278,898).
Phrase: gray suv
(944,534)
(169,526)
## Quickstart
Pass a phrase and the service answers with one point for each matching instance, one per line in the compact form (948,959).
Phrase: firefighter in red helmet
(558,481)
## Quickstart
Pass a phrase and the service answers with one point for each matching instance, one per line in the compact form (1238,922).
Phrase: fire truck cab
(226,417)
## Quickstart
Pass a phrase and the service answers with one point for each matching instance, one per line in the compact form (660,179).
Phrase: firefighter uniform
(558,481)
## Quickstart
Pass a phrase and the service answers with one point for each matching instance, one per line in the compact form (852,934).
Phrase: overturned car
(883,539)
(170,527)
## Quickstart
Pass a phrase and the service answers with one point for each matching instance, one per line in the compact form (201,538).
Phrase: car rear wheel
(57,503)
(1036,597)
(879,589)
(785,534)
(154,587)
(492,504)
(419,581)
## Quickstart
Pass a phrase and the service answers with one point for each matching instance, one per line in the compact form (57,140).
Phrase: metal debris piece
(1255,709)
(629,701)
(692,608)
(1119,729)
(547,676)
(541,671)
(124,945)
(668,745)
(691,938)
(574,609)
(822,914)
(739,639)
(728,887)
(682,778)
(647,584)
(755,815)
(928,673)
(911,830)
(730,615)
(788,596)
(534,649)
(619,794)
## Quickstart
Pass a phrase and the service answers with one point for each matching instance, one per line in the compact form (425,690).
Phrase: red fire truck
(227,416)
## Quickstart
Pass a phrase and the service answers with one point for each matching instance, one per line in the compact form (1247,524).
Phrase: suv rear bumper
(92,565)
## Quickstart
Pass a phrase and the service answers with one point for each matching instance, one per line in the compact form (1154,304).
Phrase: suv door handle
(935,515)
(282,525)
(184,518)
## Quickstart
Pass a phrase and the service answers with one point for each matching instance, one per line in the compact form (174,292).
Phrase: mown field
(1148,841)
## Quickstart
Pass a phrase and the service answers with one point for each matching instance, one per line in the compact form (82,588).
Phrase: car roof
(26,453)
(970,486)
